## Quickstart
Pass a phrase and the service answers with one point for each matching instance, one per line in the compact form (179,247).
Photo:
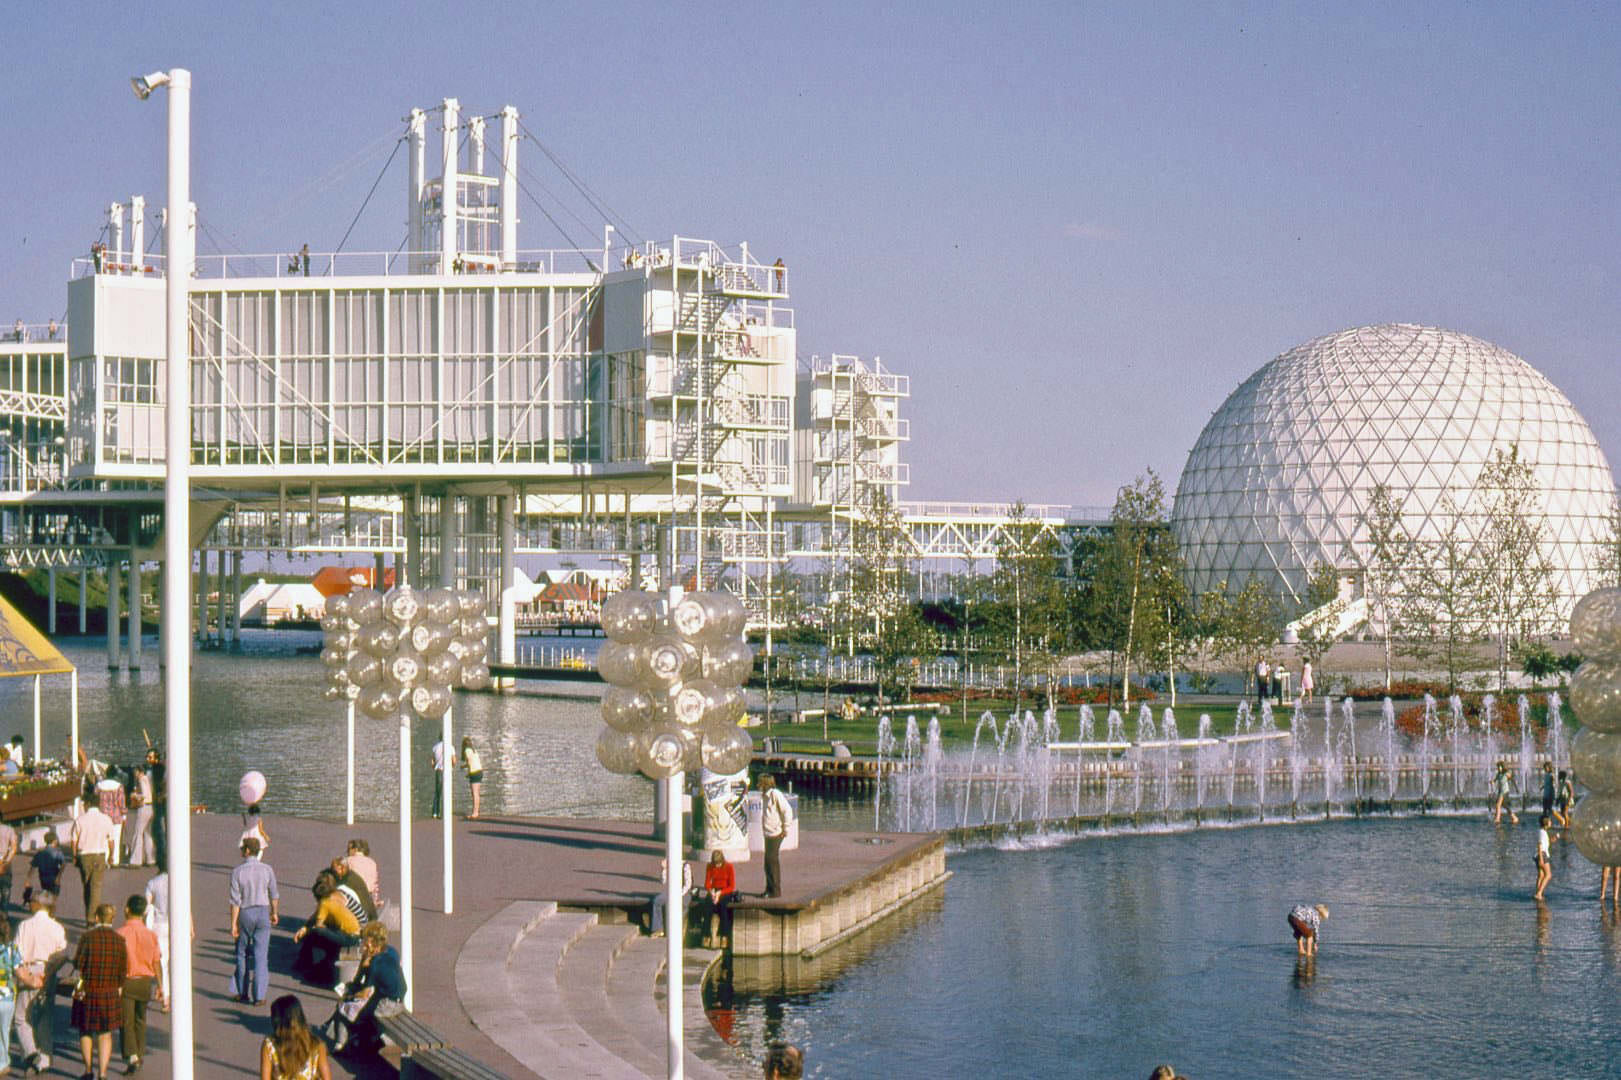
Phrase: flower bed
(48,787)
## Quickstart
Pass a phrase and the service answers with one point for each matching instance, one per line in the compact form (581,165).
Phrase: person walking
(255,905)
(157,920)
(474,764)
(1305,922)
(11,959)
(101,961)
(158,772)
(8,851)
(292,1051)
(1262,673)
(141,849)
(440,753)
(1307,685)
(1564,799)
(95,838)
(777,814)
(141,983)
(1547,789)
(1544,856)
(44,945)
(1503,784)
(45,868)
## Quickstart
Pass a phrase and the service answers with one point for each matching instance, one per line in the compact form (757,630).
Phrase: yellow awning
(24,650)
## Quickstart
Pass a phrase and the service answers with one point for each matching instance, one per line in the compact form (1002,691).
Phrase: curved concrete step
(569,997)
(508,970)
(636,989)
(585,973)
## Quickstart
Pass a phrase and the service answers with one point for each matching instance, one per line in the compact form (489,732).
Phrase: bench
(447,1064)
(409,1034)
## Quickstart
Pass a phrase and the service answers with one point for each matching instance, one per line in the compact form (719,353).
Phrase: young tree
(1442,610)
(886,624)
(1242,624)
(1607,550)
(1320,615)
(1389,563)
(1137,603)
(1519,599)
(1024,606)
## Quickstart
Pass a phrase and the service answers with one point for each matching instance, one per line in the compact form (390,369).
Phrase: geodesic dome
(1281,475)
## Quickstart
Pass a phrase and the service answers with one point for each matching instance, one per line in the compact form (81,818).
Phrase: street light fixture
(145,84)
(179,255)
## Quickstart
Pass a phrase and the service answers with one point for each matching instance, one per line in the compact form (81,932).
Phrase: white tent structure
(269,602)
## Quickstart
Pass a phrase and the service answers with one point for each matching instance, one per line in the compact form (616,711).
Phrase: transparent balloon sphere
(628,709)
(401,605)
(618,751)
(441,606)
(630,615)
(1596,757)
(666,749)
(365,606)
(728,663)
(727,748)
(1596,828)
(1595,625)
(1595,694)
(668,661)
(620,663)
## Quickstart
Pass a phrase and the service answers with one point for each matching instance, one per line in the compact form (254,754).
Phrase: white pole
(179,248)
(349,787)
(676,919)
(405,853)
(447,776)
(75,763)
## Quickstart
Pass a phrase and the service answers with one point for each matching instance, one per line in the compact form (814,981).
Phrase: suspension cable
(367,200)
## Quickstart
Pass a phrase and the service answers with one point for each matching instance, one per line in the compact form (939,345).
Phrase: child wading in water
(1503,782)
(1304,921)
(1544,863)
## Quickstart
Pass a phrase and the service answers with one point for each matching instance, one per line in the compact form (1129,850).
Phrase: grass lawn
(862,733)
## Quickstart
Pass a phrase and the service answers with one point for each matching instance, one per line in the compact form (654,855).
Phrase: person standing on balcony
(778,270)
(304,259)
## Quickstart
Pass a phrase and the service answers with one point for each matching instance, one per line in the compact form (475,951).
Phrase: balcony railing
(347,264)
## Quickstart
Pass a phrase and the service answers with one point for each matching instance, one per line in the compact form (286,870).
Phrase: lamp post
(179,256)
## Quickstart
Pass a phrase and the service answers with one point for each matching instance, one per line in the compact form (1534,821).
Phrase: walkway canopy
(26,651)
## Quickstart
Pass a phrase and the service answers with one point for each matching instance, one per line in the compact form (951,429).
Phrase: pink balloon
(252,787)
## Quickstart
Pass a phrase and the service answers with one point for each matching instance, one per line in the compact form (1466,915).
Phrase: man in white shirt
(777,813)
(44,948)
(442,759)
(94,837)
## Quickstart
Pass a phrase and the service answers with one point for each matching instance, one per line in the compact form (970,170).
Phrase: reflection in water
(262,709)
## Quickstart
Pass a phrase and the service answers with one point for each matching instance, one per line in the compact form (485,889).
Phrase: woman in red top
(102,962)
(720,882)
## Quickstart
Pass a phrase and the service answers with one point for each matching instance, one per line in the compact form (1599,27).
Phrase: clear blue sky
(1077,227)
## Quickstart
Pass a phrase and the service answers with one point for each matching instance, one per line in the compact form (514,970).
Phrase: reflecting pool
(1106,956)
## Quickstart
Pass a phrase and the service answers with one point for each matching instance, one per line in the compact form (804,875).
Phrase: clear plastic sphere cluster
(675,680)
(1595,695)
(404,651)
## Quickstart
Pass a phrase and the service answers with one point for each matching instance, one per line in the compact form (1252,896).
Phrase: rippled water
(1106,956)
(262,709)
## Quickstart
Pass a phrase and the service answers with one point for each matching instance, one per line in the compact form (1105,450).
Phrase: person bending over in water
(1544,862)
(1304,921)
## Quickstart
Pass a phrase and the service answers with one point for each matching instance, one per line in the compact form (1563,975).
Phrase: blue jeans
(254,922)
(655,918)
(7,1007)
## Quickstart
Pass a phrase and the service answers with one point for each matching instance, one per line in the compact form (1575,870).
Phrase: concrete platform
(578,863)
